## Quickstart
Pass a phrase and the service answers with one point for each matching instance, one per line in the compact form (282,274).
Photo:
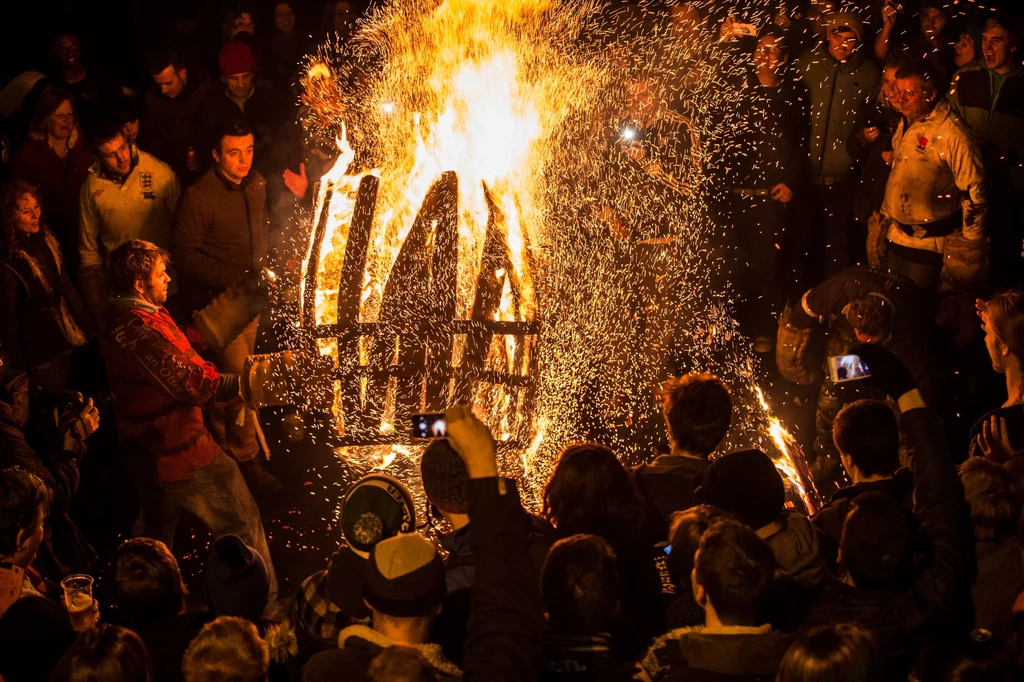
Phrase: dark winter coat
(1000,581)
(219,234)
(667,484)
(839,91)
(167,640)
(902,618)
(723,654)
(171,126)
(830,518)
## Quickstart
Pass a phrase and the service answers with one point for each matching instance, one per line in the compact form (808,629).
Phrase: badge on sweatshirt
(922,144)
(146,181)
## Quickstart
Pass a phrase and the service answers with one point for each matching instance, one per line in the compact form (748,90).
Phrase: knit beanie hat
(846,20)
(236,57)
(375,507)
(747,485)
(237,580)
(445,478)
(404,576)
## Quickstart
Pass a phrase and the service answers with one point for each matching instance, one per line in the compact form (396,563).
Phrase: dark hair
(132,261)
(870,315)
(924,72)
(13,191)
(105,653)
(400,663)
(993,495)
(1008,23)
(780,39)
(160,59)
(107,129)
(735,568)
(227,649)
(591,492)
(445,479)
(147,582)
(49,101)
(234,128)
(978,657)
(877,542)
(580,585)
(684,536)
(698,411)
(868,432)
(23,498)
(832,653)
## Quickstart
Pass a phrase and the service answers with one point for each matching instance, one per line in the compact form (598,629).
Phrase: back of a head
(24,500)
(867,432)
(445,478)
(877,542)
(735,568)
(832,653)
(400,664)
(580,585)
(105,653)
(147,583)
(698,411)
(978,657)
(872,316)
(994,497)
(590,491)
(684,537)
(404,577)
(236,577)
(227,649)
(747,485)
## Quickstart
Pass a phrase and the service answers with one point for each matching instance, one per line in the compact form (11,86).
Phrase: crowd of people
(871,188)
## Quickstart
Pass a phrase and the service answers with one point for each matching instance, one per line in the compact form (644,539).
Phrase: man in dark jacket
(767,175)
(698,411)
(149,593)
(580,587)
(219,234)
(732,576)
(161,384)
(881,589)
(841,78)
(173,106)
(867,438)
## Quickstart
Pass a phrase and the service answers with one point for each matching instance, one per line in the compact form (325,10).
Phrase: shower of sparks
(522,99)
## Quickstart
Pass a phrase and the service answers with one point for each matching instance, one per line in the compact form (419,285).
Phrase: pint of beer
(78,599)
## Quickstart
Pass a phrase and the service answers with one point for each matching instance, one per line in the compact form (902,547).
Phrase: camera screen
(429,426)
(848,368)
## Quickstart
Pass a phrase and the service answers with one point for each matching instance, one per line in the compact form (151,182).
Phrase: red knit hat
(235,58)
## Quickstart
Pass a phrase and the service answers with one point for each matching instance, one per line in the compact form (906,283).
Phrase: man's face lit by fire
(115,156)
(67,51)
(154,288)
(171,81)
(997,45)
(239,86)
(234,158)
(243,23)
(916,102)
(842,42)
(933,22)
(768,55)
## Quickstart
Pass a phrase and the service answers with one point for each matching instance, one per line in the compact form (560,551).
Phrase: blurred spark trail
(517,97)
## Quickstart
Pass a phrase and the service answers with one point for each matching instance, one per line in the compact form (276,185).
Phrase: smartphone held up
(429,425)
(847,368)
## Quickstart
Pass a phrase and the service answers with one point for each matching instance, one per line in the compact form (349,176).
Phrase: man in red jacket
(161,385)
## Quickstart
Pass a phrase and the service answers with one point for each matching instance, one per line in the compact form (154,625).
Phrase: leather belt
(936,228)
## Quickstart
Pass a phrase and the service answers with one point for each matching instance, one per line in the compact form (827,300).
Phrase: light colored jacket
(141,207)
(936,167)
